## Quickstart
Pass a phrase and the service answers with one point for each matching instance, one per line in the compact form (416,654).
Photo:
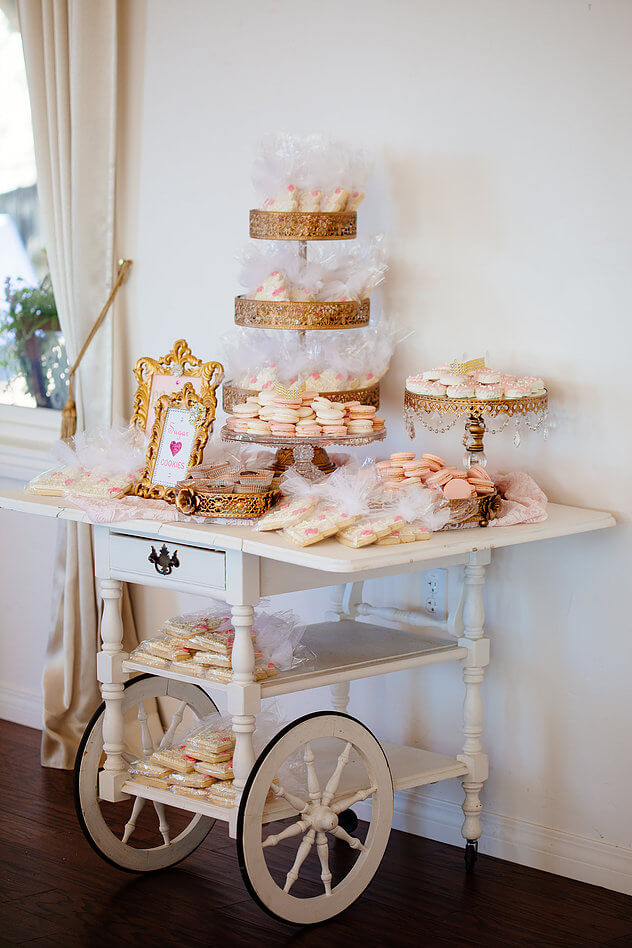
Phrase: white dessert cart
(342,761)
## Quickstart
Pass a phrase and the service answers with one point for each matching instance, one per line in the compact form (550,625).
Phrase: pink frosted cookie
(354,200)
(451,378)
(285,200)
(486,392)
(286,514)
(487,376)
(431,375)
(272,288)
(336,201)
(309,200)
(517,390)
(463,390)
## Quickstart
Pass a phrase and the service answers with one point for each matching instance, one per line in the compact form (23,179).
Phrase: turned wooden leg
(241,695)
(111,675)
(473,671)
(340,696)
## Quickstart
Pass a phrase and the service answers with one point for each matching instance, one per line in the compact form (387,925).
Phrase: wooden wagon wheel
(110,828)
(335,761)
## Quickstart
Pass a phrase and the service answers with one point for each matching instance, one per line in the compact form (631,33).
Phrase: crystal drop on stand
(517,439)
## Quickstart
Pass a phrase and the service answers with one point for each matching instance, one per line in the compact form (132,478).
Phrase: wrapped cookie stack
(199,645)
(201,767)
(309,190)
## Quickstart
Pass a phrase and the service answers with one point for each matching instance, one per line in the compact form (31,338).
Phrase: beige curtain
(71,63)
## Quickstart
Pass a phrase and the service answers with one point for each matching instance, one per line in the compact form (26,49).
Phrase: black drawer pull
(164,562)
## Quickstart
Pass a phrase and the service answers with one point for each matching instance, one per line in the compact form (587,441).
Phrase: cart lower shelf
(344,651)
(410,767)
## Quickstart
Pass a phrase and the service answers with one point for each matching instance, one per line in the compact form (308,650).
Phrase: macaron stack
(403,470)
(308,416)
(481,385)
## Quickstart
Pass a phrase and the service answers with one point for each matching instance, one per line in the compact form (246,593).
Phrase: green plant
(30,309)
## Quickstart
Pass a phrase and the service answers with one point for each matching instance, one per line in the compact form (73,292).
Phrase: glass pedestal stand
(306,455)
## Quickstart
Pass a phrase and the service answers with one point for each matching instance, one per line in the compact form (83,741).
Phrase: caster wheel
(308,776)
(128,838)
(471,855)
(348,820)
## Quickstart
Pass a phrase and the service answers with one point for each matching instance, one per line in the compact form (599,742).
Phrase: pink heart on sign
(175,447)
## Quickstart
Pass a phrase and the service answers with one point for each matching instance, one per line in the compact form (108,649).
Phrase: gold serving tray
(301,316)
(205,503)
(303,225)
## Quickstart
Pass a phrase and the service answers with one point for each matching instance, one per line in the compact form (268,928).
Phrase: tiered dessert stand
(308,455)
(440,414)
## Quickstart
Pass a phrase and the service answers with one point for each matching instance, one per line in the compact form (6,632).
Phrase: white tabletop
(329,555)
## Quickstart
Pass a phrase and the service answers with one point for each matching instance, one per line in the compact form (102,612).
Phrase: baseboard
(528,844)
(21,706)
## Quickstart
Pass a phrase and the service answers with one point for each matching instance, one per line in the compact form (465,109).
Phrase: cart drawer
(141,559)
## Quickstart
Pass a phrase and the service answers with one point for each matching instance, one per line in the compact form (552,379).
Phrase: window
(33,366)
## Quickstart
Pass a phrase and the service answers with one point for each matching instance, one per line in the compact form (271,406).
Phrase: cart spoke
(130,826)
(293,800)
(301,855)
(148,744)
(273,840)
(312,778)
(351,840)
(175,723)
(346,802)
(323,854)
(163,826)
(334,780)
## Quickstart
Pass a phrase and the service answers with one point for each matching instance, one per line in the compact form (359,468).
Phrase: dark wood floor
(55,890)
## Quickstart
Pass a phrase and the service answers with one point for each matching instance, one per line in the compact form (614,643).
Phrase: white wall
(502,149)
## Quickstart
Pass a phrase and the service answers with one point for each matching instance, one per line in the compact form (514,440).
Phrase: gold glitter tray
(233,395)
(206,503)
(302,225)
(475,406)
(302,316)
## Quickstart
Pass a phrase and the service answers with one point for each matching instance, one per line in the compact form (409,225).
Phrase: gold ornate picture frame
(168,375)
(178,437)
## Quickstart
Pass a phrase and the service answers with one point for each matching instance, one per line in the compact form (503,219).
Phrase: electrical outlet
(434,599)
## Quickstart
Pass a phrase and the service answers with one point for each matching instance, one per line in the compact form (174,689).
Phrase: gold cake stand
(301,315)
(307,455)
(303,225)
(234,395)
(440,413)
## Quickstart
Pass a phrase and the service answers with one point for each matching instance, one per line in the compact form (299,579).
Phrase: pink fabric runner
(523,501)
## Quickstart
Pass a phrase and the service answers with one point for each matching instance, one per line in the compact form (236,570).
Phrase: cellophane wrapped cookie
(200,644)
(309,173)
(277,272)
(344,497)
(326,362)
(101,463)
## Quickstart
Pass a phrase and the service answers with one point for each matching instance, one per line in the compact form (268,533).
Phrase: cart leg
(473,671)
(243,693)
(111,675)
(340,696)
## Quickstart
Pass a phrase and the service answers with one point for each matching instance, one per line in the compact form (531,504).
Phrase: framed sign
(178,436)
(168,376)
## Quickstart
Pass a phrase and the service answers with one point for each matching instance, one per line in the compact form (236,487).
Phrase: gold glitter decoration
(473,511)
(206,503)
(233,395)
(302,225)
(302,316)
